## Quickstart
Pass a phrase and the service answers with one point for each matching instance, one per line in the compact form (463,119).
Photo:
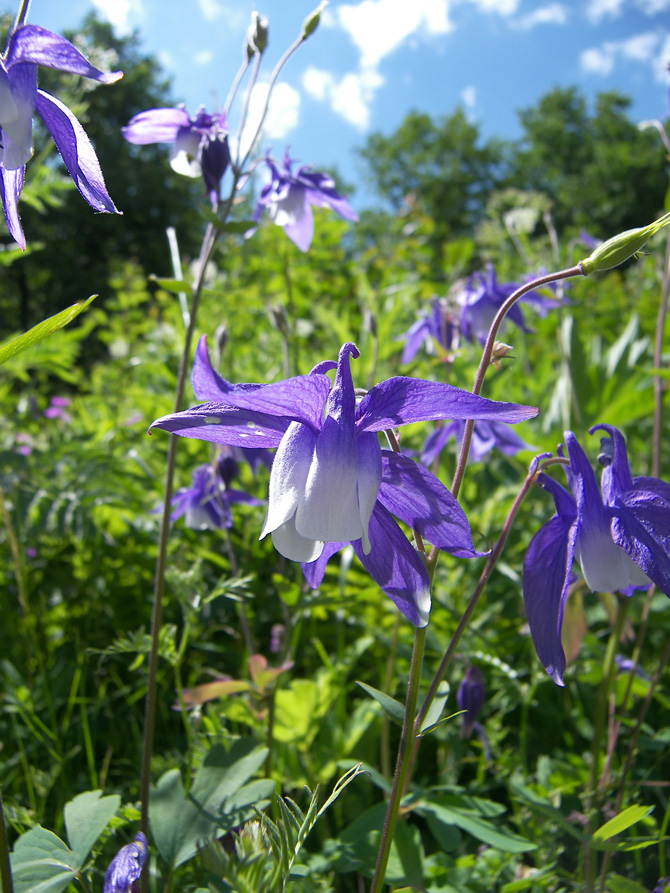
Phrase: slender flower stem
(242,70)
(488,353)
(273,78)
(659,385)
(208,243)
(486,573)
(5,865)
(21,17)
(402,765)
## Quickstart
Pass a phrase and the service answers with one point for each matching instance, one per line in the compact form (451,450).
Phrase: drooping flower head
(438,326)
(482,296)
(486,436)
(470,697)
(331,482)
(126,867)
(30,46)
(206,503)
(288,198)
(200,142)
(618,532)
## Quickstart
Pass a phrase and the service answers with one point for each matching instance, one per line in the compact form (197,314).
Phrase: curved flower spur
(331,482)
(618,532)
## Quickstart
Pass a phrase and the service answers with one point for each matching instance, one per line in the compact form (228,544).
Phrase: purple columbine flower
(437,326)
(126,867)
(331,483)
(206,503)
(200,142)
(482,296)
(619,533)
(288,199)
(485,437)
(30,46)
(470,696)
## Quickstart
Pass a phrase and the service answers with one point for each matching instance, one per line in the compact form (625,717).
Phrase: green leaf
(86,817)
(622,821)
(393,708)
(500,838)
(436,708)
(360,847)
(218,801)
(42,863)
(174,286)
(238,226)
(42,330)
(618,884)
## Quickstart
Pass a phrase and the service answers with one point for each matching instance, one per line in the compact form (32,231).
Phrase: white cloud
(349,96)
(638,48)
(598,9)
(117,12)
(213,9)
(653,7)
(502,7)
(469,97)
(283,112)
(204,57)
(552,14)
(378,27)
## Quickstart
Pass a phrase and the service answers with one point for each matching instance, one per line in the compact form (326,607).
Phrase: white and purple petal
(546,579)
(18,129)
(397,567)
(641,528)
(76,150)
(329,510)
(156,126)
(288,478)
(11,184)
(418,498)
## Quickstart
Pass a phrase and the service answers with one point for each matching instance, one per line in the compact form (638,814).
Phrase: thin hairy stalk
(241,162)
(244,619)
(403,761)
(632,745)
(5,866)
(242,70)
(488,353)
(604,692)
(604,780)
(33,618)
(20,19)
(273,78)
(208,243)
(385,739)
(659,384)
(486,573)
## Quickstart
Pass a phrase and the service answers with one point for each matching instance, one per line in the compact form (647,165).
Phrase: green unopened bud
(257,35)
(619,248)
(311,23)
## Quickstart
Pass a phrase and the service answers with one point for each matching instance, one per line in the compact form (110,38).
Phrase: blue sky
(372,61)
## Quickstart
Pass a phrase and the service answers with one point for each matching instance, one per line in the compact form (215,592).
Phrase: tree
(81,250)
(601,172)
(441,165)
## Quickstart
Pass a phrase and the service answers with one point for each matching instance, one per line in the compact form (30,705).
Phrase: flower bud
(619,248)
(311,23)
(470,696)
(257,35)
(126,867)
